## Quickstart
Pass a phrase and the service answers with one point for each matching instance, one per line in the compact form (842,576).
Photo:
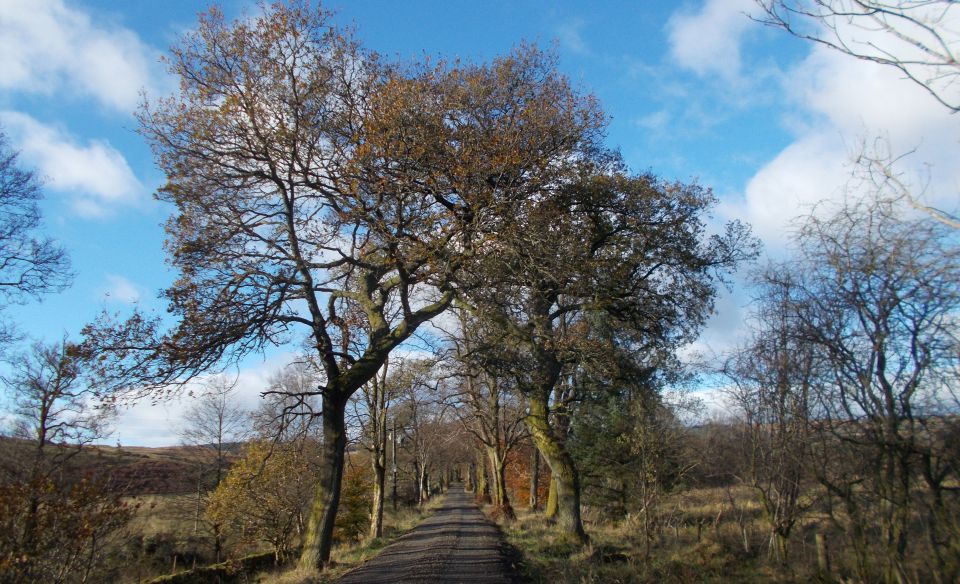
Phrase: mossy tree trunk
(562,466)
(323,511)
(551,510)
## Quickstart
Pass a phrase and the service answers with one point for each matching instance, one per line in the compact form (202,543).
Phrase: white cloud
(656,122)
(853,94)
(146,424)
(716,403)
(159,424)
(95,175)
(47,47)
(571,37)
(845,103)
(707,41)
(120,289)
(813,168)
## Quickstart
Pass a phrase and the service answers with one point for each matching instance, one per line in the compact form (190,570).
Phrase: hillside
(132,470)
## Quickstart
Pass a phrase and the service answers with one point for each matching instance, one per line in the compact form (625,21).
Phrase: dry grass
(704,535)
(162,514)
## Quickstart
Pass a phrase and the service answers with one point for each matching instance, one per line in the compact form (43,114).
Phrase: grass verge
(617,554)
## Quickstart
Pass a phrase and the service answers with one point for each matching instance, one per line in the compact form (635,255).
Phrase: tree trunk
(424,485)
(562,467)
(501,499)
(323,511)
(535,480)
(483,485)
(470,482)
(551,511)
(379,479)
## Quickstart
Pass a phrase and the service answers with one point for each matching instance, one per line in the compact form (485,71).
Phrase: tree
(880,168)
(320,190)
(916,37)
(607,265)
(627,438)
(266,495)
(72,530)
(378,395)
(289,409)
(485,404)
(54,519)
(873,291)
(774,376)
(213,423)
(30,265)
(423,421)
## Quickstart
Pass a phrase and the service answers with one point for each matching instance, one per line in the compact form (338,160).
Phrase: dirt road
(456,545)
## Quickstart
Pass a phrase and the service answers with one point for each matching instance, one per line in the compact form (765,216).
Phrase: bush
(353,516)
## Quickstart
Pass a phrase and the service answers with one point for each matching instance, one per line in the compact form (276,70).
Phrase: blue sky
(694,91)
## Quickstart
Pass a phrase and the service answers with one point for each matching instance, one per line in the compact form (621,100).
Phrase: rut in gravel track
(455,545)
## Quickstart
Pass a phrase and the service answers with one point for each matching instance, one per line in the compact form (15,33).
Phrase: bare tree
(56,410)
(881,168)
(917,37)
(423,419)
(486,404)
(374,402)
(774,377)
(54,525)
(214,422)
(290,406)
(875,294)
(30,265)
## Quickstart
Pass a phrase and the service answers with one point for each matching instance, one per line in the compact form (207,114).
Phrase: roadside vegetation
(478,291)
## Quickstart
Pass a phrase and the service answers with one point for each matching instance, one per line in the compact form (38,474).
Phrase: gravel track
(455,545)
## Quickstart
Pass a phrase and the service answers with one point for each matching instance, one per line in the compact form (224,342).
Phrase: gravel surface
(454,545)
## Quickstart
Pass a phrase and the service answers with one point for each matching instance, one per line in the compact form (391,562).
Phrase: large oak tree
(326,197)
(608,266)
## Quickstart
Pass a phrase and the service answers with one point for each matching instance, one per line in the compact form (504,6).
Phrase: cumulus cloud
(852,94)
(94,174)
(708,40)
(48,47)
(846,105)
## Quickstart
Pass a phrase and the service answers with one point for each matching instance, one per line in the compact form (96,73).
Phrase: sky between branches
(694,91)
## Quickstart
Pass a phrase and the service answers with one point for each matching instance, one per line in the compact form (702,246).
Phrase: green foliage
(625,446)
(353,516)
